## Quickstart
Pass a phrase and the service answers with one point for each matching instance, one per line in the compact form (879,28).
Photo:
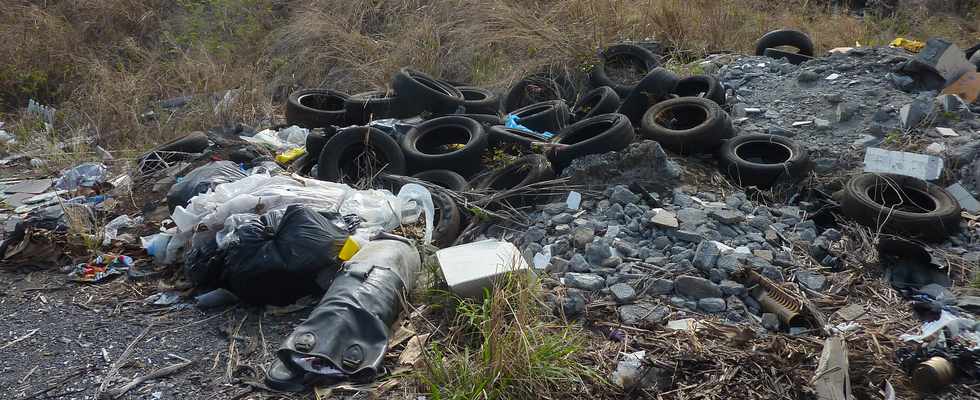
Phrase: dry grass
(103,63)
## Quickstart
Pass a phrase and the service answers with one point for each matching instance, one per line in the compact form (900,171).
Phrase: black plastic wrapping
(346,335)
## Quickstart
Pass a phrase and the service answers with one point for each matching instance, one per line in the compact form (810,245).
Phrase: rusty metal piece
(777,300)
(932,375)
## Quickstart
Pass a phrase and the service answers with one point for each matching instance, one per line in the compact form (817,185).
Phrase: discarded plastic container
(346,335)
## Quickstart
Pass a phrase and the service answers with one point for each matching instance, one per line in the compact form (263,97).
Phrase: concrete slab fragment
(471,267)
(967,201)
(36,186)
(920,166)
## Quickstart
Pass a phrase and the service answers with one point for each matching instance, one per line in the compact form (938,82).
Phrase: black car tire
(339,155)
(687,125)
(316,108)
(422,145)
(548,116)
(422,92)
(596,135)
(701,86)
(763,160)
(901,205)
(478,100)
(785,37)
(598,101)
(641,59)
(538,87)
(365,107)
(444,178)
(654,88)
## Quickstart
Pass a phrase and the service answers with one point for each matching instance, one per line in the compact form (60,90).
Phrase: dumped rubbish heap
(798,225)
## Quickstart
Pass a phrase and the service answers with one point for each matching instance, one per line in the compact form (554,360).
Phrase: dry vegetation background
(102,63)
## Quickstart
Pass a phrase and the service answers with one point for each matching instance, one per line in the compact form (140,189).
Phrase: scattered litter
(573,201)
(852,312)
(832,77)
(686,324)
(832,379)
(920,166)
(753,110)
(470,268)
(947,132)
(802,123)
(100,269)
(628,370)
(85,175)
(111,231)
(913,46)
(164,298)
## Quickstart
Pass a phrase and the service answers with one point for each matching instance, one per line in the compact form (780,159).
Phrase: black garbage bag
(203,261)
(202,179)
(346,335)
(276,259)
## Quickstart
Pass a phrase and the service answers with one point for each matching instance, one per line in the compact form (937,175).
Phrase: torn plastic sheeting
(202,179)
(511,121)
(273,260)
(111,230)
(82,175)
(346,335)
(931,328)
(920,166)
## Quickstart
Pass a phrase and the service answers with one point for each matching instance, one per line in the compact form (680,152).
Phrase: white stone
(936,148)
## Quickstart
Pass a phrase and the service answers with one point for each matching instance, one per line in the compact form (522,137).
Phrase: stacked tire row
(460,125)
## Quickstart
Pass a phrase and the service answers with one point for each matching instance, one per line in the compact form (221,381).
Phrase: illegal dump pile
(779,225)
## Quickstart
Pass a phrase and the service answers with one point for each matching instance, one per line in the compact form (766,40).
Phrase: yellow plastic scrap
(289,155)
(910,45)
(349,249)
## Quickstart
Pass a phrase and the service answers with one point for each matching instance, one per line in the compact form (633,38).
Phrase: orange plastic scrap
(967,87)
(910,45)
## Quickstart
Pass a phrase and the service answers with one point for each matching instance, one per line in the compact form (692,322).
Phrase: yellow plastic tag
(349,249)
(290,155)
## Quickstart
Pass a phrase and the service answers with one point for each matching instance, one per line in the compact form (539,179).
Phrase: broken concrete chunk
(947,132)
(912,114)
(472,267)
(936,148)
(920,166)
(945,58)
(664,218)
(966,200)
(696,288)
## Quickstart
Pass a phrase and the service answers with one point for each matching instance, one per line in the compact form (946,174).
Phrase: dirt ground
(60,340)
